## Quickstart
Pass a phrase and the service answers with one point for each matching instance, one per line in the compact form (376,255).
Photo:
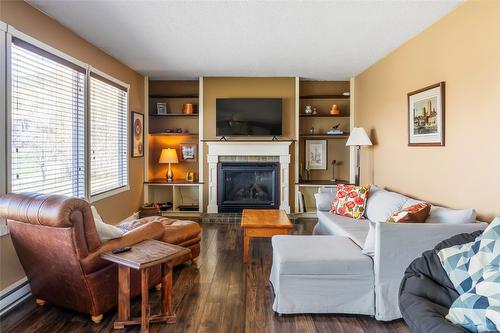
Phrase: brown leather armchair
(57,243)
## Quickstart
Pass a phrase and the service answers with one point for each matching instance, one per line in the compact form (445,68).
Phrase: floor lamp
(358,138)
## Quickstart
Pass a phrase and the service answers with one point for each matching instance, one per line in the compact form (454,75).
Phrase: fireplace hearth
(248,185)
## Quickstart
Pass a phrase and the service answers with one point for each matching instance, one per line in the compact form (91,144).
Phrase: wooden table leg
(166,294)
(246,241)
(123,296)
(145,300)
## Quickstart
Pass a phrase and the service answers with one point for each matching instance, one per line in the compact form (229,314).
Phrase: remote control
(121,250)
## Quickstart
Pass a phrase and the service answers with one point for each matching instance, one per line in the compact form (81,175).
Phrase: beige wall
(234,87)
(28,20)
(462,49)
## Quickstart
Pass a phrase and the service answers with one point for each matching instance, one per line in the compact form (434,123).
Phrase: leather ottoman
(178,232)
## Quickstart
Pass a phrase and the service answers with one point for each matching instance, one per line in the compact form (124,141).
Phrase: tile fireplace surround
(221,149)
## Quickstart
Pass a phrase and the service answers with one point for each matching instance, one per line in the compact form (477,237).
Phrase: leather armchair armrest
(151,230)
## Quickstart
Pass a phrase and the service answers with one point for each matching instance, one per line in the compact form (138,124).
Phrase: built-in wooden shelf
(174,97)
(174,134)
(321,182)
(322,116)
(324,136)
(163,181)
(325,97)
(248,140)
(195,115)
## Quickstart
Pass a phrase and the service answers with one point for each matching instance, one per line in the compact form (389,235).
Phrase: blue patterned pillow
(474,270)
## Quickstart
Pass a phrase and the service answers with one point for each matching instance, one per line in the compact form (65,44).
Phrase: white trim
(16,293)
(18,34)
(352,149)
(107,194)
(3,119)
(3,26)
(110,78)
(297,142)
(201,145)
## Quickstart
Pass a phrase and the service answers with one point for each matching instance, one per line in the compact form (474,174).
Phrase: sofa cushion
(369,245)
(105,231)
(350,201)
(451,216)
(381,204)
(324,200)
(416,213)
(320,255)
(344,226)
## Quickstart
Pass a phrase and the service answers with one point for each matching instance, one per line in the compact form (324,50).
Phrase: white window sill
(108,194)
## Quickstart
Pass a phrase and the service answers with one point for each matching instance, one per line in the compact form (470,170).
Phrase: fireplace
(248,185)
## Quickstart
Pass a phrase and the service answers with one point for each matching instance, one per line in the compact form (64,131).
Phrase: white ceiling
(331,40)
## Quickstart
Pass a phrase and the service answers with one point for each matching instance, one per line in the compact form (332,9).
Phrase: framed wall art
(316,154)
(137,134)
(188,152)
(426,116)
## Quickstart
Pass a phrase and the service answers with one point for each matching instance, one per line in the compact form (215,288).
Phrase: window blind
(47,122)
(108,135)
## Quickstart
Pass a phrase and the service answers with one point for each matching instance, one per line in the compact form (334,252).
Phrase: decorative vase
(308,110)
(187,108)
(335,110)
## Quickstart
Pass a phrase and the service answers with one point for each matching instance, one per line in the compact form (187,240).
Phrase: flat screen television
(249,116)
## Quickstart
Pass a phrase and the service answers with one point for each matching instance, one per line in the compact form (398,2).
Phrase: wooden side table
(263,223)
(142,256)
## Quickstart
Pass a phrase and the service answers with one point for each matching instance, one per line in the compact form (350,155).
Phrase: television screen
(249,116)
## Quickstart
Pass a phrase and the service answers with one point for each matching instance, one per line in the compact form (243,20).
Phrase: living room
(321,167)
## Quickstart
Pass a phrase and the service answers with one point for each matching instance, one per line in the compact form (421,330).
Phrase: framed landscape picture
(426,116)
(316,154)
(137,134)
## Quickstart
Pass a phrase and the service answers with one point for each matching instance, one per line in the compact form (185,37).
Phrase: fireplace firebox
(248,185)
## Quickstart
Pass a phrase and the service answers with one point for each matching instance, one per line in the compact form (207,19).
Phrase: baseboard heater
(13,295)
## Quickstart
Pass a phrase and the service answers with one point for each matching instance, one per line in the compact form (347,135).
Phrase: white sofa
(351,278)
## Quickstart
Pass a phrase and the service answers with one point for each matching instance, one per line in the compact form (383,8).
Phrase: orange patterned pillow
(417,213)
(350,201)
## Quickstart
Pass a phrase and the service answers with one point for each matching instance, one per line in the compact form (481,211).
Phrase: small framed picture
(137,134)
(426,116)
(188,152)
(161,108)
(316,154)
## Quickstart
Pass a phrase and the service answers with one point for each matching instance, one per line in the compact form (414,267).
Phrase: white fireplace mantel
(248,148)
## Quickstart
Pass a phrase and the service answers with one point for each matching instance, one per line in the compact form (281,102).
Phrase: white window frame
(3,118)
(5,111)
(100,196)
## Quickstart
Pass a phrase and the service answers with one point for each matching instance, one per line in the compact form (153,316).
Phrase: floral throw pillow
(417,213)
(350,201)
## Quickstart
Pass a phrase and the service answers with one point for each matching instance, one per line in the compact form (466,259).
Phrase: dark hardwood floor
(218,294)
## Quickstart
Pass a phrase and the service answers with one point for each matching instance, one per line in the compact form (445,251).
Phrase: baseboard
(13,295)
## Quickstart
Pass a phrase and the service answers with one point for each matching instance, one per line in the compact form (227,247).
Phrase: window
(46,122)
(108,135)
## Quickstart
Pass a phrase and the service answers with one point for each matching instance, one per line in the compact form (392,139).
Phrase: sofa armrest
(150,230)
(396,246)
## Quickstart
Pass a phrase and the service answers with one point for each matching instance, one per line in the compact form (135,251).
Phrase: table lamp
(168,155)
(358,138)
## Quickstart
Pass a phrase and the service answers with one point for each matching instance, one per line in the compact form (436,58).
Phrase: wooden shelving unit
(325,96)
(156,188)
(325,136)
(322,95)
(321,116)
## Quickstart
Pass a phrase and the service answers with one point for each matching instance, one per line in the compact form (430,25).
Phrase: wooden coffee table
(142,256)
(263,223)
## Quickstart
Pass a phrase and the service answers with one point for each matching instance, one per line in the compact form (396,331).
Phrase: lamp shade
(168,155)
(358,137)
